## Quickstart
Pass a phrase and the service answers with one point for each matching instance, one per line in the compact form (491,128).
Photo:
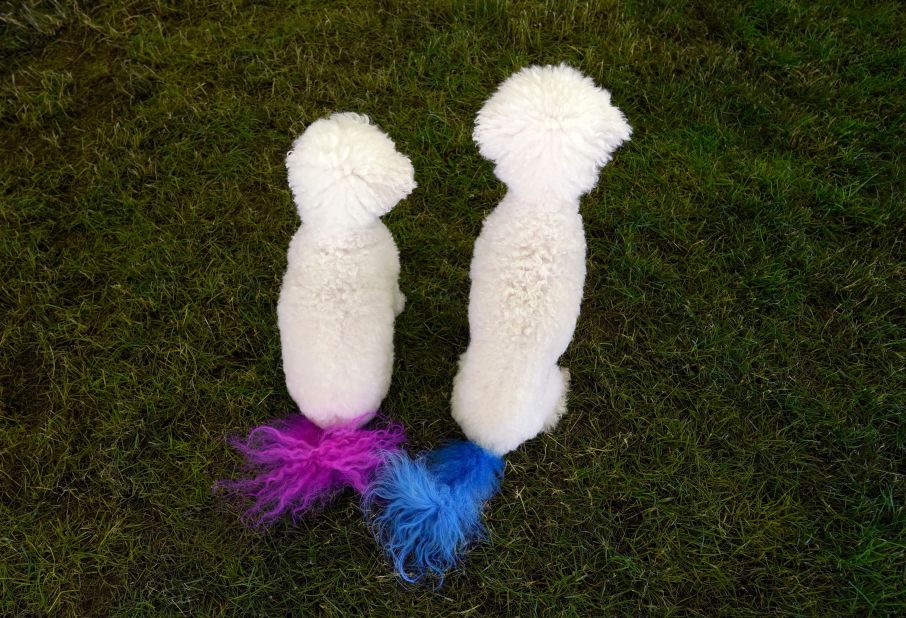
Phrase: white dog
(340,294)
(548,131)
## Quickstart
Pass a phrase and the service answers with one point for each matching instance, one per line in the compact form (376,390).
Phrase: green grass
(736,438)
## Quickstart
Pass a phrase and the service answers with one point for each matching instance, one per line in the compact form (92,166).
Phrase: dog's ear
(343,169)
(550,129)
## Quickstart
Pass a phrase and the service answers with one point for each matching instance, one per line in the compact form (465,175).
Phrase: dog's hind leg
(555,396)
(399,301)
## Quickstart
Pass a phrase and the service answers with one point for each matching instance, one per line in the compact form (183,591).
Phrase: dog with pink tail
(336,311)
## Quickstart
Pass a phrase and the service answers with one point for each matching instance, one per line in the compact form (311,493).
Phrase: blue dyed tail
(426,511)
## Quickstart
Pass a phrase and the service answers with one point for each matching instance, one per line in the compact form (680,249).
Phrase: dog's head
(550,129)
(343,169)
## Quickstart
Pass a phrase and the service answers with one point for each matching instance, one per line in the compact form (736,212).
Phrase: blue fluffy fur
(427,510)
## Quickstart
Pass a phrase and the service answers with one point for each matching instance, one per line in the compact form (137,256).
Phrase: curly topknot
(550,128)
(343,169)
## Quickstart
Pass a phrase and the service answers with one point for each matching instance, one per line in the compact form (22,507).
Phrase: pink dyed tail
(300,466)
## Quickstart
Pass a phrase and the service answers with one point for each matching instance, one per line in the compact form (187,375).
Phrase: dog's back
(527,275)
(336,312)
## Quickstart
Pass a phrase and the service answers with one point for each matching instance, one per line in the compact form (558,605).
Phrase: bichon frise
(548,131)
(340,293)
(335,313)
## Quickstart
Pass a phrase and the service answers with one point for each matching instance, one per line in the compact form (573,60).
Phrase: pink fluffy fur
(299,465)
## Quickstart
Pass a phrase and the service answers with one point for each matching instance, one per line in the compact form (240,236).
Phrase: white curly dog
(340,294)
(548,130)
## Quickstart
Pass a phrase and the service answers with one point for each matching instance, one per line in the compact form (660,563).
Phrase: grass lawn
(735,442)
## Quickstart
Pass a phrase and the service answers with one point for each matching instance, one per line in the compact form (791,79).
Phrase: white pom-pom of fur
(343,169)
(550,129)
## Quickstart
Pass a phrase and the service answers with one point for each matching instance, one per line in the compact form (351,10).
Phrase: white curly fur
(340,294)
(548,131)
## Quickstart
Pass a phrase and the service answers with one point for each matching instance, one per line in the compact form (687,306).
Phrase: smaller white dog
(336,310)
(548,131)
(340,294)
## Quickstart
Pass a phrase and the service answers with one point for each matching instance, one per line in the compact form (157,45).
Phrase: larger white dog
(548,130)
(340,295)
